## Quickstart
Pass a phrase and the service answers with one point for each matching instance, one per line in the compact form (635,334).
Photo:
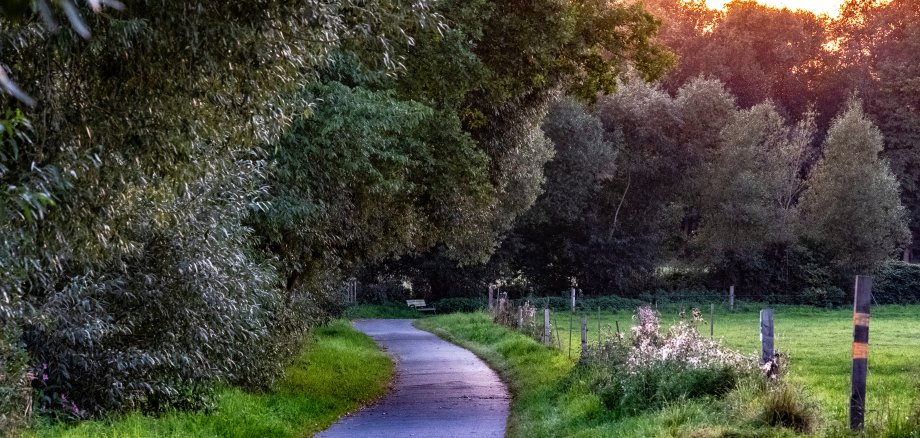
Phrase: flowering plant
(50,398)
(650,368)
(682,345)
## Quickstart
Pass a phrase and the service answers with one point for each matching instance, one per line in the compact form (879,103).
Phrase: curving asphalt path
(441,390)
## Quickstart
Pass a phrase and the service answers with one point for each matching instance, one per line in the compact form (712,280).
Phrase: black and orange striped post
(861,300)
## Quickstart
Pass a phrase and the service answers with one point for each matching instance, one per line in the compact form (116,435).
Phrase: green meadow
(816,341)
(552,398)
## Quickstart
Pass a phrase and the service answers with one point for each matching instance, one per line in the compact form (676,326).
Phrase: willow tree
(126,257)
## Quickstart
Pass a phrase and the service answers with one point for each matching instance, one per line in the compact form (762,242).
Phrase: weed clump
(651,369)
(786,406)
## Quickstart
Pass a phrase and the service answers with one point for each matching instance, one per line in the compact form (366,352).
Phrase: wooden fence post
(712,321)
(598,326)
(571,316)
(861,299)
(584,334)
(520,316)
(766,335)
(547,333)
(573,299)
(731,298)
(491,292)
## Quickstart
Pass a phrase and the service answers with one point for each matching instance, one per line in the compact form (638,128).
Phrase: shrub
(386,292)
(15,392)
(605,302)
(898,283)
(652,369)
(460,305)
(830,296)
(609,303)
(689,297)
(388,311)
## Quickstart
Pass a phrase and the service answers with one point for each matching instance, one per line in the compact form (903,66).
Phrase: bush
(830,296)
(388,311)
(460,305)
(608,303)
(386,292)
(897,283)
(15,392)
(687,297)
(651,369)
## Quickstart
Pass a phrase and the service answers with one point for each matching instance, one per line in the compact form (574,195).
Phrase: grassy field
(339,370)
(552,399)
(818,343)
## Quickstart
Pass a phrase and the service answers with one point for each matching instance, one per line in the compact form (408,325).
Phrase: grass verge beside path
(338,371)
(531,371)
(551,396)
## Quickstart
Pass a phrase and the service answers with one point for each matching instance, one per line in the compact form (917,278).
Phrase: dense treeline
(779,154)
(195,180)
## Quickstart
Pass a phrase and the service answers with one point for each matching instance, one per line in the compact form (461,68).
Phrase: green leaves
(852,202)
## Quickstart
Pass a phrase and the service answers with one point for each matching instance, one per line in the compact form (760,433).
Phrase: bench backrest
(415,303)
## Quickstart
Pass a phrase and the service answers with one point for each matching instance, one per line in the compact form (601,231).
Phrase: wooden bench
(419,305)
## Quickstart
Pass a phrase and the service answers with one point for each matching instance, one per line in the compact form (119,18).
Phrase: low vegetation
(382,311)
(555,395)
(337,371)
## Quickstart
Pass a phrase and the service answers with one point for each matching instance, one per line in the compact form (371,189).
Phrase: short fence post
(573,299)
(598,326)
(491,293)
(861,300)
(618,327)
(571,316)
(520,316)
(547,334)
(712,321)
(584,334)
(731,298)
(766,335)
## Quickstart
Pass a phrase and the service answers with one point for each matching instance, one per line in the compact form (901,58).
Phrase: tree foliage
(196,179)
(127,254)
(852,205)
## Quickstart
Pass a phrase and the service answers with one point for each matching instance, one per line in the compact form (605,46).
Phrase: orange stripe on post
(860,350)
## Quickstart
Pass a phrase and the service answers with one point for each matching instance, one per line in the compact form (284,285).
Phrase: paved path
(441,390)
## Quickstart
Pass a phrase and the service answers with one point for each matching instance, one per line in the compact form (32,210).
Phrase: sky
(817,6)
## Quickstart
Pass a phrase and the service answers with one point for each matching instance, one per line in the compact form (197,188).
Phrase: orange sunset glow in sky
(829,7)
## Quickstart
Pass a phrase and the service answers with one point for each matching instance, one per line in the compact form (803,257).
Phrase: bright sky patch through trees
(830,7)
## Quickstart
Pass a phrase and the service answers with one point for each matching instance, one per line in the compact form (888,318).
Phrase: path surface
(441,390)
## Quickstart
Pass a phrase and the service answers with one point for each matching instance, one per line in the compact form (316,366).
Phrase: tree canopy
(195,181)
